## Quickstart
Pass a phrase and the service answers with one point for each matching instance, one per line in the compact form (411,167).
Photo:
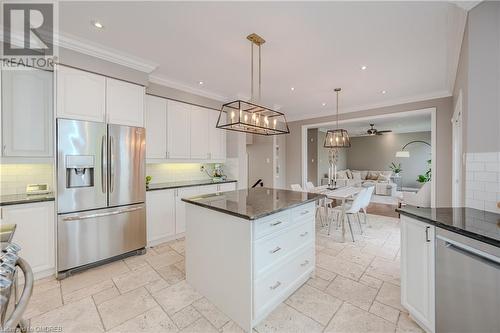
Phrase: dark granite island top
(16,199)
(477,224)
(187,183)
(253,203)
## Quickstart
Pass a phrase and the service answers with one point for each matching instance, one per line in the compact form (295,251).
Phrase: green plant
(148,180)
(427,175)
(396,168)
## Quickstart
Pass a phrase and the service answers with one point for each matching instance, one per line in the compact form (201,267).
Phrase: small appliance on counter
(11,308)
(34,189)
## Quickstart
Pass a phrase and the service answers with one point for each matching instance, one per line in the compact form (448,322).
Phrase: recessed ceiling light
(97,24)
(201,83)
(384,92)
(292,88)
(363,67)
(324,104)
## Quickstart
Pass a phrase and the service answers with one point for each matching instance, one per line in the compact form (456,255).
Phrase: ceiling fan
(373,131)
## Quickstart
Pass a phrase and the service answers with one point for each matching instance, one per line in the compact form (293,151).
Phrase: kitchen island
(248,250)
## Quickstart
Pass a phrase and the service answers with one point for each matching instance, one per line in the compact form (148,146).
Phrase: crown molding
(357,108)
(163,81)
(105,53)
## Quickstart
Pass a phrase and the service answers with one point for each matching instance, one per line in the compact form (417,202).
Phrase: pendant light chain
(260,76)
(337,109)
(251,72)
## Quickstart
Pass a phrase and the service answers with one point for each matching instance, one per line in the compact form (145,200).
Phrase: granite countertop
(16,199)
(477,224)
(187,183)
(254,203)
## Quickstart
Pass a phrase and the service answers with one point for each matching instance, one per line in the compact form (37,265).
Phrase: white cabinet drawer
(304,212)
(270,224)
(276,246)
(278,282)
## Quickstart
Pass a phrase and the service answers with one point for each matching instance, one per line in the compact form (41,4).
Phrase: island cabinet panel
(417,271)
(160,210)
(248,267)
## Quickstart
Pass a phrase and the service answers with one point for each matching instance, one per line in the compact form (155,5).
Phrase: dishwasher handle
(472,253)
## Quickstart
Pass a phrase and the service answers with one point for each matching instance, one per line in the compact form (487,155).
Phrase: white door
(199,133)
(217,138)
(124,103)
(80,95)
(457,137)
(180,207)
(160,209)
(178,130)
(417,270)
(156,127)
(27,112)
(34,233)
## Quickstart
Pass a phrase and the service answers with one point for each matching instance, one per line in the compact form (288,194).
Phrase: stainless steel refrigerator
(100,192)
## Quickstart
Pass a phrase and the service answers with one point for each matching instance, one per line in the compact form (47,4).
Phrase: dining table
(341,194)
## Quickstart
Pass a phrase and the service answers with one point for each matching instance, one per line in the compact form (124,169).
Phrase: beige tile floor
(356,289)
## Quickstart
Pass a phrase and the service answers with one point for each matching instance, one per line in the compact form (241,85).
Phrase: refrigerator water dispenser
(80,171)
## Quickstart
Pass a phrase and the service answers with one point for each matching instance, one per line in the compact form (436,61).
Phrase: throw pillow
(349,173)
(356,175)
(383,178)
(372,175)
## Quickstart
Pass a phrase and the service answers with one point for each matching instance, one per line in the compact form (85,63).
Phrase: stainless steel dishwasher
(467,284)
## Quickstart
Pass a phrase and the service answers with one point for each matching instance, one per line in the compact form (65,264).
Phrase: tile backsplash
(482,186)
(15,177)
(172,172)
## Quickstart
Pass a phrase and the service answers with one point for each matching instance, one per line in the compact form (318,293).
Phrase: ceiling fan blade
(384,131)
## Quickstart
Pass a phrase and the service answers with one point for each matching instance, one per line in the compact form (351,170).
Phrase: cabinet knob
(275,250)
(276,285)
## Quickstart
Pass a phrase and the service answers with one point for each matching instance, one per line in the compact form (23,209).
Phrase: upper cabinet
(217,137)
(124,103)
(178,130)
(27,115)
(80,95)
(199,133)
(181,131)
(156,127)
(86,96)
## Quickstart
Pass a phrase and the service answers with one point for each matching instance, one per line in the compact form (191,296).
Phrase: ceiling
(398,124)
(410,48)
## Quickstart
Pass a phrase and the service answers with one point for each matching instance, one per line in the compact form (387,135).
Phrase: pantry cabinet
(27,112)
(199,140)
(80,95)
(34,233)
(417,271)
(124,103)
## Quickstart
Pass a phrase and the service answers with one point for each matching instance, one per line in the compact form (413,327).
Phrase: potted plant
(396,168)
(426,176)
(148,180)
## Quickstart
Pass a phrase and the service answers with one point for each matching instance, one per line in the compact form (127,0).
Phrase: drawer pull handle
(304,234)
(275,223)
(305,263)
(275,250)
(304,212)
(276,285)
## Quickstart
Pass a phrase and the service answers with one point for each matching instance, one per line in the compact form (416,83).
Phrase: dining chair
(366,201)
(351,210)
(310,186)
(296,187)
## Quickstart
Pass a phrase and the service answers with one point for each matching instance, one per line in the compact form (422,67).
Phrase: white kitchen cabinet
(156,127)
(208,189)
(80,94)
(124,103)
(226,187)
(199,133)
(27,115)
(417,271)
(160,210)
(180,207)
(34,233)
(178,130)
(217,137)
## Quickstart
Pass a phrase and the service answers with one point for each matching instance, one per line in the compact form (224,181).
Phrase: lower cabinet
(166,212)
(417,271)
(34,233)
(160,215)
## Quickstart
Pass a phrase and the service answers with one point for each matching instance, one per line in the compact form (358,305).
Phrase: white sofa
(381,179)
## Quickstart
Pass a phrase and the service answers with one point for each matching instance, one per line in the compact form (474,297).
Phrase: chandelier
(337,138)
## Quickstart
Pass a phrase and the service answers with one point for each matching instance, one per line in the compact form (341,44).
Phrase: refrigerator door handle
(93,216)
(112,165)
(104,175)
